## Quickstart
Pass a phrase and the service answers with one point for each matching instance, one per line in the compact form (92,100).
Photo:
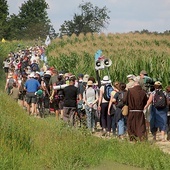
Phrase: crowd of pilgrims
(67,95)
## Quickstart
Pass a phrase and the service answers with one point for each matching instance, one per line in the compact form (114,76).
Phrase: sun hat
(32,74)
(89,83)
(106,80)
(158,83)
(48,72)
(131,76)
(85,78)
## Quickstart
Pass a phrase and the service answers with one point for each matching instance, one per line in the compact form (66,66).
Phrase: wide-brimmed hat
(89,83)
(85,78)
(106,80)
(48,72)
(32,74)
(131,76)
(158,83)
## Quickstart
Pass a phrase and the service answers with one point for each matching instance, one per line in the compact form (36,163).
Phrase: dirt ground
(164,146)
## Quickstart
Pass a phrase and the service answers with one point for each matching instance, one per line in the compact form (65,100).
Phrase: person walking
(103,105)
(31,86)
(70,101)
(136,99)
(159,108)
(90,98)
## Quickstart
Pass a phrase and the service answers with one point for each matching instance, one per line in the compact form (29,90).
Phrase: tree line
(32,21)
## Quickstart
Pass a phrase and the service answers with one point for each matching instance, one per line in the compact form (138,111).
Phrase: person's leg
(88,118)
(57,112)
(121,128)
(104,107)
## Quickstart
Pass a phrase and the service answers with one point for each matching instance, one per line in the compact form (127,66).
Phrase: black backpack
(35,67)
(160,100)
(119,101)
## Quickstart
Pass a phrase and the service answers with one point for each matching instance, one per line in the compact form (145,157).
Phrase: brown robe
(136,126)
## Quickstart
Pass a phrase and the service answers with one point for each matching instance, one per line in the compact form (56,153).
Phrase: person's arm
(149,101)
(100,99)
(6,85)
(96,98)
(110,104)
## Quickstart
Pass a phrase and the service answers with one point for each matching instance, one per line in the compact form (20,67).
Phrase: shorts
(6,69)
(56,105)
(31,98)
(68,114)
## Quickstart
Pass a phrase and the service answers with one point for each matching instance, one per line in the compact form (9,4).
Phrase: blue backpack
(107,91)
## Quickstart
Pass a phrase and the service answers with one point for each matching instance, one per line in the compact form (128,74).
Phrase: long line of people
(82,93)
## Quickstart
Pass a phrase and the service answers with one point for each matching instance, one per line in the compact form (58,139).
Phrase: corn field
(130,53)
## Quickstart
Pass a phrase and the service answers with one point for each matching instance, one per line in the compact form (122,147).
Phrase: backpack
(81,87)
(35,67)
(107,91)
(11,82)
(159,100)
(120,100)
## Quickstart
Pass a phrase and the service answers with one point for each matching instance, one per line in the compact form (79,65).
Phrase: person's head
(158,85)
(14,84)
(80,76)
(143,73)
(60,77)
(106,80)
(72,80)
(92,79)
(116,85)
(54,72)
(168,89)
(130,77)
(122,86)
(90,83)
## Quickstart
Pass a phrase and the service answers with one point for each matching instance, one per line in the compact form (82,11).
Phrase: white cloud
(125,15)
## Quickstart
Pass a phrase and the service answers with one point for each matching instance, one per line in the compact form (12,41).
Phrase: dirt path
(164,146)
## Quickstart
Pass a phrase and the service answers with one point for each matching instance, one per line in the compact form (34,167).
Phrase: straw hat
(89,83)
(158,83)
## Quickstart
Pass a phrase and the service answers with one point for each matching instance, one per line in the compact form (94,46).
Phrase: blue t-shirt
(32,85)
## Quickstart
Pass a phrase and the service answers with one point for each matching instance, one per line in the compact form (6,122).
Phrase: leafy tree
(32,22)
(92,19)
(3,18)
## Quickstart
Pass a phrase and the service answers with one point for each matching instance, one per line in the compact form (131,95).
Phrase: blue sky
(125,15)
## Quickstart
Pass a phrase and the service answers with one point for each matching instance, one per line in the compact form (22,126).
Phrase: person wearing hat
(136,100)
(159,108)
(31,86)
(130,83)
(143,74)
(103,105)
(90,98)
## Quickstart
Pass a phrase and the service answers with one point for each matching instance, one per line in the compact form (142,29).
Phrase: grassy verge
(29,143)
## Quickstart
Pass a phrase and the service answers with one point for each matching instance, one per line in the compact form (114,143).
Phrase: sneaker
(108,134)
(104,132)
(93,130)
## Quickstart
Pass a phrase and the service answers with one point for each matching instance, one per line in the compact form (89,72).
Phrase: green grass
(30,143)
(42,144)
